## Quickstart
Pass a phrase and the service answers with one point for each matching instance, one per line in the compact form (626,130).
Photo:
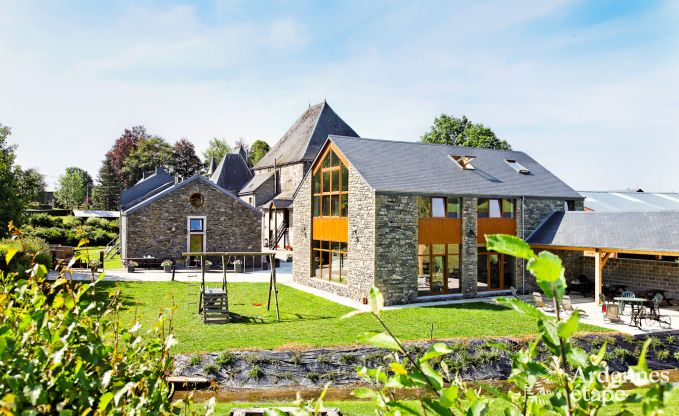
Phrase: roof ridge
(324,105)
(403,141)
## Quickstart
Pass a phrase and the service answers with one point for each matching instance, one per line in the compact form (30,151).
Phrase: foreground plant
(63,351)
(568,381)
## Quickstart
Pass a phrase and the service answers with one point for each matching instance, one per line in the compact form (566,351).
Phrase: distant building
(278,174)
(630,200)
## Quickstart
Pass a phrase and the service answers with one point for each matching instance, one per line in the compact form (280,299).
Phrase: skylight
(517,166)
(465,162)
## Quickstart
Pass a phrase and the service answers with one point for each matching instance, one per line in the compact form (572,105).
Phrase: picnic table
(637,305)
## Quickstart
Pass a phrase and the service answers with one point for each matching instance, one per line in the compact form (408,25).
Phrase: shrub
(61,355)
(211,368)
(41,220)
(53,235)
(28,250)
(194,360)
(255,372)
(225,359)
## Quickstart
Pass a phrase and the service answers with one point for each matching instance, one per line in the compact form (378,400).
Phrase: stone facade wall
(536,210)
(159,229)
(262,195)
(289,176)
(469,249)
(396,252)
(361,244)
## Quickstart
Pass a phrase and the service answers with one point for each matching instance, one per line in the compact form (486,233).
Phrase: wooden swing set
(214,301)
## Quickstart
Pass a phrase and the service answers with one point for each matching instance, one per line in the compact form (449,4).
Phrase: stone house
(194,215)
(411,218)
(278,174)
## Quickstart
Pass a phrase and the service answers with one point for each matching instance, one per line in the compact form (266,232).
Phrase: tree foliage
(122,148)
(217,148)
(31,184)
(184,162)
(566,380)
(73,185)
(257,151)
(106,194)
(11,202)
(448,129)
(64,351)
(149,153)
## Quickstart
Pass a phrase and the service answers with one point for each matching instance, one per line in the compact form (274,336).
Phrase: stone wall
(638,274)
(396,252)
(289,176)
(537,210)
(261,195)
(361,244)
(159,229)
(469,249)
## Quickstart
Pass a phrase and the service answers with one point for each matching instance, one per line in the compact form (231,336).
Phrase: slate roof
(151,183)
(304,139)
(182,184)
(232,173)
(428,169)
(652,231)
(255,183)
(630,201)
(282,200)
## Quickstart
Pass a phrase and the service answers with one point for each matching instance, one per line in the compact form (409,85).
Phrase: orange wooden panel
(439,230)
(495,226)
(331,229)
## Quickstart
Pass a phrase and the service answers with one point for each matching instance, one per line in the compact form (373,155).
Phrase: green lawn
(306,320)
(109,264)
(367,408)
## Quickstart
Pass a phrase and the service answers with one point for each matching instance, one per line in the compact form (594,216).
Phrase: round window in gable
(196,200)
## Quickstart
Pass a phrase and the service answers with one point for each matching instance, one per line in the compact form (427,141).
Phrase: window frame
(343,250)
(189,232)
(446,205)
(333,169)
(501,203)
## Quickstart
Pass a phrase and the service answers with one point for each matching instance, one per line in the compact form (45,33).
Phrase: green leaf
(363,393)
(433,375)
(352,314)
(381,340)
(10,254)
(546,267)
(449,395)
(375,301)
(436,350)
(521,307)
(568,328)
(105,400)
(638,374)
(509,244)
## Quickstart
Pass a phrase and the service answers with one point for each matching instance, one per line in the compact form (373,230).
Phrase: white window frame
(189,233)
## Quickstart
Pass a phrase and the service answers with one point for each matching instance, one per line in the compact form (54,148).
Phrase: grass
(113,263)
(306,320)
(367,408)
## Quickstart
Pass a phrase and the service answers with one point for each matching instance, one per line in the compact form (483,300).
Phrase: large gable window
(330,188)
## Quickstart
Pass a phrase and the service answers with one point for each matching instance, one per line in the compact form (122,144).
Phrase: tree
(107,192)
(11,202)
(31,184)
(73,188)
(217,148)
(257,151)
(149,153)
(122,148)
(184,162)
(456,131)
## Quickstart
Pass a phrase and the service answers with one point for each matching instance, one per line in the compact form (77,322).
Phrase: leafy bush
(52,234)
(64,352)
(103,224)
(41,220)
(28,250)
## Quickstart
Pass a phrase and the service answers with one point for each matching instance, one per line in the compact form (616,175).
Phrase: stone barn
(193,215)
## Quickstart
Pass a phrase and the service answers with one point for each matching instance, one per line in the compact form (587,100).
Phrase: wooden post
(101,260)
(202,282)
(271,267)
(599,263)
(275,290)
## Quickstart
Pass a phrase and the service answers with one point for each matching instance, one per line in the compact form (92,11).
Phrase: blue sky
(588,88)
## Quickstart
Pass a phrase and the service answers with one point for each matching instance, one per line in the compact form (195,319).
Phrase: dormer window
(517,166)
(465,162)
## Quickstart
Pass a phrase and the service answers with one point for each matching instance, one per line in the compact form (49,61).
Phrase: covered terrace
(644,246)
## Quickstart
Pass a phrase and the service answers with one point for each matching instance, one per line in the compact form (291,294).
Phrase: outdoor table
(650,293)
(637,305)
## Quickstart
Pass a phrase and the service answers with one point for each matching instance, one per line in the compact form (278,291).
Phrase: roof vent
(517,166)
(464,162)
